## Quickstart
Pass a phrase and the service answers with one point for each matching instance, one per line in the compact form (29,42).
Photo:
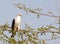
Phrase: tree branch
(31,10)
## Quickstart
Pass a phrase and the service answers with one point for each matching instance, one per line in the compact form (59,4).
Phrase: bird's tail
(13,34)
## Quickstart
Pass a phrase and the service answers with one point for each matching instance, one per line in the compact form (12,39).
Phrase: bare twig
(21,6)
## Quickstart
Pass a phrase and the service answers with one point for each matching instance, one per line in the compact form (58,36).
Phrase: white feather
(18,21)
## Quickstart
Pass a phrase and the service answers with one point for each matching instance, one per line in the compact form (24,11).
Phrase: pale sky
(8,11)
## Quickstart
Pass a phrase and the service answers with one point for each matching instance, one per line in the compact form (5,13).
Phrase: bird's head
(19,14)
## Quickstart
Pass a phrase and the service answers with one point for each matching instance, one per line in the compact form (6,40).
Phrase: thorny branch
(38,31)
(31,10)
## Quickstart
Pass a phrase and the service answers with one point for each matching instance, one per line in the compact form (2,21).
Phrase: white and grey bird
(16,24)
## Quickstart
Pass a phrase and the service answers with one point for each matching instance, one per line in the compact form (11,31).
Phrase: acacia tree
(30,35)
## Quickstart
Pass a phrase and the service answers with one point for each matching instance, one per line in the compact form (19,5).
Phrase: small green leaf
(13,41)
(43,42)
(38,15)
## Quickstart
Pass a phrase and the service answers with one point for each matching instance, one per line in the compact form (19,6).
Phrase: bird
(16,22)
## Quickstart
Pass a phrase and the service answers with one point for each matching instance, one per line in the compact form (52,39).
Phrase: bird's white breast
(18,20)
